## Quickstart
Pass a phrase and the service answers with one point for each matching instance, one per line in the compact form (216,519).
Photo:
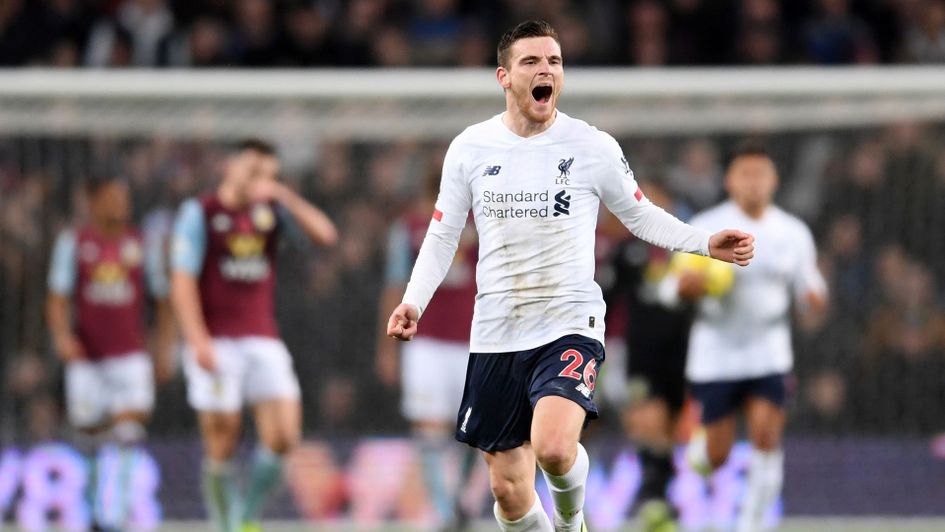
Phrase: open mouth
(542,93)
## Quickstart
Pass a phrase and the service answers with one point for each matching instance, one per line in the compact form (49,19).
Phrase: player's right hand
(402,324)
(69,348)
(692,285)
(205,356)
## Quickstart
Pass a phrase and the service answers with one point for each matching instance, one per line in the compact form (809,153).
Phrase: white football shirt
(746,333)
(535,202)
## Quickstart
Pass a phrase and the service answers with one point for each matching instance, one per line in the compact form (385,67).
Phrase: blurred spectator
(434,32)
(309,33)
(759,40)
(697,177)
(859,186)
(647,27)
(824,405)
(142,24)
(701,31)
(901,385)
(925,39)
(909,197)
(256,39)
(837,36)
(264,33)
(16,37)
(846,265)
(110,45)
(391,48)
(203,44)
(354,34)
(475,48)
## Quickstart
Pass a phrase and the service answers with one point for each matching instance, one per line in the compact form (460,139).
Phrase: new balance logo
(562,203)
(492,170)
(466,419)
(583,388)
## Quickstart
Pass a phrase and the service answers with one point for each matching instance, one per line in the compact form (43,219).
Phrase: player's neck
(107,229)
(755,212)
(523,126)
(228,196)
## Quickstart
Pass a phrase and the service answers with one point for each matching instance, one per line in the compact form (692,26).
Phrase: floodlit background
(362,97)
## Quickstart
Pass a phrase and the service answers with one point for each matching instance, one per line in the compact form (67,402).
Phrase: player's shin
(126,435)
(535,520)
(88,444)
(432,447)
(221,495)
(265,475)
(567,492)
(765,477)
(697,453)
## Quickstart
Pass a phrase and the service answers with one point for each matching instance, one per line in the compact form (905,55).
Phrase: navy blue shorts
(721,398)
(503,388)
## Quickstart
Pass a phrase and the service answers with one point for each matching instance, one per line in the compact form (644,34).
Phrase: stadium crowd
(301,33)
(875,198)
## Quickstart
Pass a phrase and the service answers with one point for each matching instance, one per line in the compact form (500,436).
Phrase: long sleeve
(620,192)
(442,238)
(433,261)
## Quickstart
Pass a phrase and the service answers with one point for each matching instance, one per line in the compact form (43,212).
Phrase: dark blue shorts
(503,388)
(721,398)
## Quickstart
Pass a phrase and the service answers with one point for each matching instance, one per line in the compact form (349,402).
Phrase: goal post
(436,104)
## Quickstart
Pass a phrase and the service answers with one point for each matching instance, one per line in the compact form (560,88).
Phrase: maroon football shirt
(109,297)
(237,281)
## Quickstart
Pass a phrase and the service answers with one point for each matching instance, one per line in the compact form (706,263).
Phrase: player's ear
(503,77)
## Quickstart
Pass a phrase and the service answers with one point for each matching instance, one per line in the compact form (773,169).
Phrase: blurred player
(222,289)
(99,280)
(433,366)
(534,178)
(740,345)
(657,337)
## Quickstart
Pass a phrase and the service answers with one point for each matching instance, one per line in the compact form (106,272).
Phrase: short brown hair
(748,148)
(256,145)
(525,30)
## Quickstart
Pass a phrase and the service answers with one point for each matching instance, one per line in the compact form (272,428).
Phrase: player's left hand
(163,370)
(402,324)
(264,190)
(732,245)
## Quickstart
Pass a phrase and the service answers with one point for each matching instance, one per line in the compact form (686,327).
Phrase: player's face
(534,78)
(751,181)
(250,166)
(111,204)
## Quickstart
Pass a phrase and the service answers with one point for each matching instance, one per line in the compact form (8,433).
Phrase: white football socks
(697,454)
(765,476)
(567,492)
(534,521)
